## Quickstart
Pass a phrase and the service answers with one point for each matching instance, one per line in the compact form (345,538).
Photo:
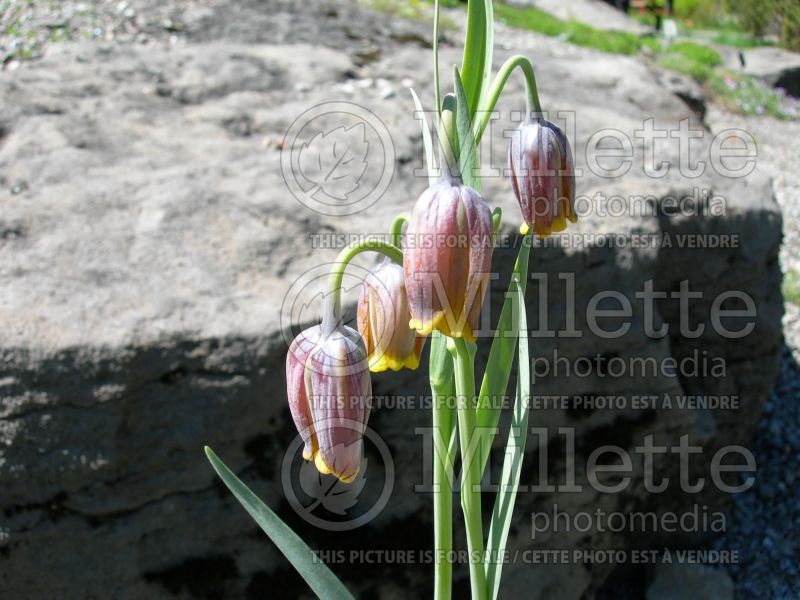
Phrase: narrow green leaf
(472,63)
(437,94)
(515,452)
(487,66)
(501,354)
(318,576)
(467,152)
(427,141)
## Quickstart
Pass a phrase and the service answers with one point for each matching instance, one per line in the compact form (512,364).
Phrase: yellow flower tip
(559,223)
(307,455)
(524,228)
(378,364)
(412,361)
(325,470)
(427,327)
(320,464)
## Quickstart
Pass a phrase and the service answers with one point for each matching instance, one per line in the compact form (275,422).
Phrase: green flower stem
(463,360)
(442,511)
(396,229)
(533,104)
(442,390)
(334,307)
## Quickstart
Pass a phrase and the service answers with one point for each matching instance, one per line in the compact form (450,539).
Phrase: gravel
(29,29)
(764,525)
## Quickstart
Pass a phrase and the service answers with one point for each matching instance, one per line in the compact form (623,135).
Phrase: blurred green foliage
(750,96)
(754,17)
(791,286)
(697,52)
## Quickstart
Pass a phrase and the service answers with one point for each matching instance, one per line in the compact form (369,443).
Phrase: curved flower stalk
(329,389)
(542,176)
(383,320)
(447,259)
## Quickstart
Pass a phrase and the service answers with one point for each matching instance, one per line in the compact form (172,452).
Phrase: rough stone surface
(777,67)
(685,88)
(148,242)
(690,582)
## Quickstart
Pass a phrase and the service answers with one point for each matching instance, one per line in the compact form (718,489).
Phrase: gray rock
(777,67)
(685,88)
(690,582)
(146,268)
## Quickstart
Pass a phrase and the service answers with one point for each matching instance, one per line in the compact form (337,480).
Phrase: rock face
(690,582)
(777,67)
(149,249)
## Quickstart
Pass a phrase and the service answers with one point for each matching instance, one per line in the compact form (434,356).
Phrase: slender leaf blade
(472,63)
(515,451)
(437,94)
(427,140)
(467,152)
(318,576)
(487,67)
(501,354)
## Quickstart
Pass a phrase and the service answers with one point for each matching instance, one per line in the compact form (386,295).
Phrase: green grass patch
(791,286)
(695,60)
(696,52)
(533,19)
(530,18)
(686,66)
(738,39)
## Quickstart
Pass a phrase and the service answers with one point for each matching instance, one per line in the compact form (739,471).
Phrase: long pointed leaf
(472,64)
(487,67)
(437,94)
(501,354)
(467,152)
(515,452)
(427,141)
(318,576)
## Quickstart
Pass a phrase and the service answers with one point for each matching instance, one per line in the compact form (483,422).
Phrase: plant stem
(442,389)
(333,307)
(470,474)
(396,228)
(533,104)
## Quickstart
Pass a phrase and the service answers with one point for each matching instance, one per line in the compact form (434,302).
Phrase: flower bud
(446,259)
(383,317)
(543,176)
(328,388)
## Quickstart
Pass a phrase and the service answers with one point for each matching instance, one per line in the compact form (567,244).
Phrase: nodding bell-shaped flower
(446,259)
(383,317)
(543,176)
(329,391)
